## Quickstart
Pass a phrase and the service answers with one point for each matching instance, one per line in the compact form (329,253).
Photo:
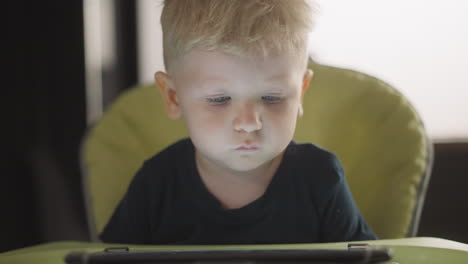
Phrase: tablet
(366,254)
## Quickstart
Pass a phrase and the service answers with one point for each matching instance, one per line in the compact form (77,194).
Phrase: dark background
(44,120)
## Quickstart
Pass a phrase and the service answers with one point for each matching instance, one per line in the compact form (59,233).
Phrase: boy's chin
(244,166)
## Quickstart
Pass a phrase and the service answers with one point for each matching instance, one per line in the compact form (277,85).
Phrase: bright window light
(420,47)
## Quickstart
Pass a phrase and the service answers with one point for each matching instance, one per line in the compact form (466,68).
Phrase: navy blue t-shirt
(307,201)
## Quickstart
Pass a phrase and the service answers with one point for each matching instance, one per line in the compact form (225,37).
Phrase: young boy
(236,74)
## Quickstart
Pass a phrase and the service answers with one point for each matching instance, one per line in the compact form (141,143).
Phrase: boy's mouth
(247,148)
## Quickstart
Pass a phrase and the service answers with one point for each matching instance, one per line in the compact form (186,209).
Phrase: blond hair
(239,27)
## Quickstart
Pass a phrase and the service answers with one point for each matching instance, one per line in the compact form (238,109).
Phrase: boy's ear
(305,85)
(169,94)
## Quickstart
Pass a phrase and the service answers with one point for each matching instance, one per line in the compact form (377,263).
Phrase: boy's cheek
(203,120)
(283,111)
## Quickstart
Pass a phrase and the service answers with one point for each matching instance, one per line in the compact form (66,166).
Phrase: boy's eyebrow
(213,84)
(278,77)
(214,80)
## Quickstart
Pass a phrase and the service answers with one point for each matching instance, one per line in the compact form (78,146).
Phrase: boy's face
(240,112)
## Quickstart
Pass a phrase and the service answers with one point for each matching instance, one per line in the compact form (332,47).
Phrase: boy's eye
(271,99)
(218,100)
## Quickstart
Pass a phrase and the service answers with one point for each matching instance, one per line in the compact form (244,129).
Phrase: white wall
(420,47)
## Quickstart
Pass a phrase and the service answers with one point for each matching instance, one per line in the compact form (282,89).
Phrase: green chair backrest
(370,126)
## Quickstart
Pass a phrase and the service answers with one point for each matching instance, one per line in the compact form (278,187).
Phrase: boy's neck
(236,189)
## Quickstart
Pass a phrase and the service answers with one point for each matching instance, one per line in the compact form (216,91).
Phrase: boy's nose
(247,119)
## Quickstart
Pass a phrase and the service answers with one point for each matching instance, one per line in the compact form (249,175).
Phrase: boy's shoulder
(174,151)
(312,156)
(169,159)
(315,164)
